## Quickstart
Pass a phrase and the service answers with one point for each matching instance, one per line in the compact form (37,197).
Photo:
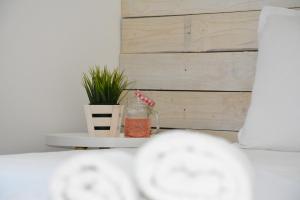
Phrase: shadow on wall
(45,47)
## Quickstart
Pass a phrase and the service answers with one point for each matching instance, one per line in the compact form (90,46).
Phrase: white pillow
(273,119)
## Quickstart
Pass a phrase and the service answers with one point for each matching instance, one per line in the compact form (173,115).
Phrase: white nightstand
(83,141)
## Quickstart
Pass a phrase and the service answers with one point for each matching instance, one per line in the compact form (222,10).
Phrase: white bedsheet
(277,174)
(25,176)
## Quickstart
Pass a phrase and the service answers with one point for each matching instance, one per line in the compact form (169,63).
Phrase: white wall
(45,46)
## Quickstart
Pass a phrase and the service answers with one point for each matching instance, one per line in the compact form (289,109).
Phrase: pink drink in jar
(137,118)
(137,127)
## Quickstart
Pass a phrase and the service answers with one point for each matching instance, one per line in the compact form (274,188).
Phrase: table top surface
(86,140)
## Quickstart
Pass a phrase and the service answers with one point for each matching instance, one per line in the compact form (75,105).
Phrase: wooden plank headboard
(195,58)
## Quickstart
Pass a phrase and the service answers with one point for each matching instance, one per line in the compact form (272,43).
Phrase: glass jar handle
(156,118)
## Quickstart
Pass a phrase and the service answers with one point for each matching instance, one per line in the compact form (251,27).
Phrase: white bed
(26,176)
(277,174)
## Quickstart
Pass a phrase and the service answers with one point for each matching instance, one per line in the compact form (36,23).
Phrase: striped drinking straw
(146,100)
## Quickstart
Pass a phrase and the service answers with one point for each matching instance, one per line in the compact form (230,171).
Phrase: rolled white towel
(95,176)
(182,165)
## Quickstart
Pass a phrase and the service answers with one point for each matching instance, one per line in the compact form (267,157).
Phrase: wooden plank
(101,121)
(100,109)
(144,35)
(230,136)
(201,110)
(195,33)
(222,32)
(102,133)
(139,8)
(229,71)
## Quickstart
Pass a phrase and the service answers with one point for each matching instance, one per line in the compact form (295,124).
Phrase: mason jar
(138,115)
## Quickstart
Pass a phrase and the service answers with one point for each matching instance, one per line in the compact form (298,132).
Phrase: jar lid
(146,100)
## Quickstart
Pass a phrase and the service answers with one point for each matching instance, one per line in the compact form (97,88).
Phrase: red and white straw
(144,98)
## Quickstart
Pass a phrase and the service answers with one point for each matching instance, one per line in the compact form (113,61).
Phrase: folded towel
(95,176)
(182,165)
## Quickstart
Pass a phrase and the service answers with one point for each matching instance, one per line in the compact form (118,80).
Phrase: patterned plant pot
(104,120)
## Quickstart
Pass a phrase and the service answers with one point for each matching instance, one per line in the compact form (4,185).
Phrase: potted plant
(104,89)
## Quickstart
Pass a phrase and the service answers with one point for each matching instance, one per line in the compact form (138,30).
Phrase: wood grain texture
(101,121)
(201,110)
(114,122)
(146,34)
(138,8)
(192,33)
(229,71)
(230,136)
(218,32)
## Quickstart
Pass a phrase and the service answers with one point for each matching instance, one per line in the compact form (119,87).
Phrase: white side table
(83,141)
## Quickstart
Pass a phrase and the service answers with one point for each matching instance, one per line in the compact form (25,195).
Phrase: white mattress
(277,174)
(26,176)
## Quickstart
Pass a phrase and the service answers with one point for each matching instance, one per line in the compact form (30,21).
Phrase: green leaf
(104,87)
